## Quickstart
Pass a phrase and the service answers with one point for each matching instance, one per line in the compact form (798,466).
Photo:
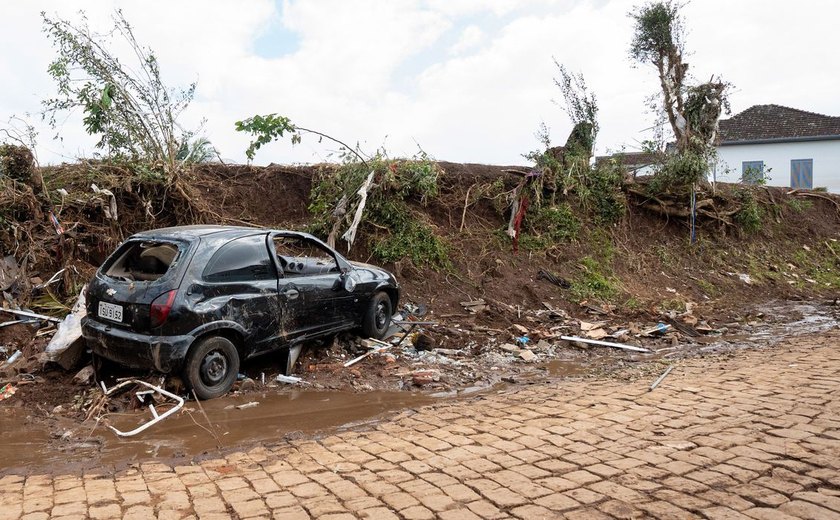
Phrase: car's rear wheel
(211,367)
(378,316)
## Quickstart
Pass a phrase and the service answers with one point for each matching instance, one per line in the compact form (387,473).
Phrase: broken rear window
(143,260)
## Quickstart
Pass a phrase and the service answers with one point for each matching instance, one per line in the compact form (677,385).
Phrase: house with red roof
(780,146)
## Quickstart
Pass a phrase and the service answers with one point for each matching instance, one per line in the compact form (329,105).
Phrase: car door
(311,280)
(240,284)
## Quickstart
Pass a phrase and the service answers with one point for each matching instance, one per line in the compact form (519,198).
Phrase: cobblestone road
(753,436)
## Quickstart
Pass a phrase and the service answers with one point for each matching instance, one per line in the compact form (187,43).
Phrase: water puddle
(277,416)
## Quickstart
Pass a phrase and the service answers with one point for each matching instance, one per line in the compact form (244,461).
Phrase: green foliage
(751,215)
(679,172)
(602,192)
(124,101)
(799,205)
(266,129)
(658,31)
(395,231)
(593,281)
(549,226)
(581,105)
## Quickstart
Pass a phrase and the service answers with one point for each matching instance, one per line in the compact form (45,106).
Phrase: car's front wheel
(378,316)
(211,367)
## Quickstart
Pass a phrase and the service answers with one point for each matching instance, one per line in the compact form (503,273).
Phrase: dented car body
(197,300)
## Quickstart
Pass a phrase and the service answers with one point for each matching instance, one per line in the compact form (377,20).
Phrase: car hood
(377,272)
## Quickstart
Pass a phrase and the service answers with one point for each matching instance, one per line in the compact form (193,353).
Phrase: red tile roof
(777,123)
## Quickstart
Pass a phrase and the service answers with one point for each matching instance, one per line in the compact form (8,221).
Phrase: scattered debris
(661,378)
(245,406)
(84,376)
(423,342)
(552,278)
(659,328)
(9,272)
(425,377)
(747,279)
(603,343)
(14,357)
(28,314)
(156,418)
(7,391)
(527,355)
(474,306)
(67,346)
(288,379)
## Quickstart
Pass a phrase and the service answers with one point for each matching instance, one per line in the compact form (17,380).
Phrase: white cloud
(468,81)
(470,37)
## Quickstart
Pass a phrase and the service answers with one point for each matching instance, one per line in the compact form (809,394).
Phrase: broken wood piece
(586,326)
(247,405)
(661,378)
(597,334)
(287,379)
(366,354)
(604,343)
(526,355)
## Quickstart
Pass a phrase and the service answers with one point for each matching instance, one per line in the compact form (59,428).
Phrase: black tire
(378,316)
(211,367)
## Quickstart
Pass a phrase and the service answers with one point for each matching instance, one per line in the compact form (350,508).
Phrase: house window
(802,173)
(752,172)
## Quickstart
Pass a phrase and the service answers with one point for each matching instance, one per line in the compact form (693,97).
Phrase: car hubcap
(381,315)
(214,368)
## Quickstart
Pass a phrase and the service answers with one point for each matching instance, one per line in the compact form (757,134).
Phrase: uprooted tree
(124,99)
(693,111)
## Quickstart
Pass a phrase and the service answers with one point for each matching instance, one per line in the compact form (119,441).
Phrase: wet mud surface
(48,433)
(233,421)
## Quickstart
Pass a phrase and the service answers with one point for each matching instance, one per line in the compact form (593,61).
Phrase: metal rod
(661,378)
(604,343)
(31,315)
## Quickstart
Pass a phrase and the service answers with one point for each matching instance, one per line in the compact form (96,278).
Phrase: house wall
(777,157)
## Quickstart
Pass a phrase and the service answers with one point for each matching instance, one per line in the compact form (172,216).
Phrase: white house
(785,146)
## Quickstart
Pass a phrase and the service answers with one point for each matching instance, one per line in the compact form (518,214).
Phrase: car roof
(204,230)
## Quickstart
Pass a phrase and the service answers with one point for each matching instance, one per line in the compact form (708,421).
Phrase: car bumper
(162,353)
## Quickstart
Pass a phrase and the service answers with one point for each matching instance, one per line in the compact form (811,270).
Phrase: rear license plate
(109,311)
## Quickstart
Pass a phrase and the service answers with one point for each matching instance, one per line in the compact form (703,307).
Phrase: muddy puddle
(234,420)
(765,326)
(36,440)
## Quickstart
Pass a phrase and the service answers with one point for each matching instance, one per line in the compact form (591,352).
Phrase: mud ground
(50,422)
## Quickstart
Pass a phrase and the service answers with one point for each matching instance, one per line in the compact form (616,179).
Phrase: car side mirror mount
(348,282)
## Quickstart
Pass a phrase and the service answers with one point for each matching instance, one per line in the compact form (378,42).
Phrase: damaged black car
(198,300)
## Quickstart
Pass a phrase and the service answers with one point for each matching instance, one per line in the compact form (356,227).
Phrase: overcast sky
(466,80)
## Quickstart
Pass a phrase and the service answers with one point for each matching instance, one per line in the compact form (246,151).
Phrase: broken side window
(143,260)
(299,256)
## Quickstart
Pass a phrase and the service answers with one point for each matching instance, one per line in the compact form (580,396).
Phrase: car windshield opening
(143,261)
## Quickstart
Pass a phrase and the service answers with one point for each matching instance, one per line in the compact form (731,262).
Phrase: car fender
(203,329)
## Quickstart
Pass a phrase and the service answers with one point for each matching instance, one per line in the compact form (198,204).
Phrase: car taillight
(161,307)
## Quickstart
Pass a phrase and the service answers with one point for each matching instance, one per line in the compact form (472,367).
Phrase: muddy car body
(197,300)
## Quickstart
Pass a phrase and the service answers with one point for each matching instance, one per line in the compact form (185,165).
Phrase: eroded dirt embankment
(713,295)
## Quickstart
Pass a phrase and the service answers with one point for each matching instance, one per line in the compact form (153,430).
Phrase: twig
(466,204)
(661,378)
(218,442)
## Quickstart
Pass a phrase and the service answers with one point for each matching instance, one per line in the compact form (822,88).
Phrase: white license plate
(109,311)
